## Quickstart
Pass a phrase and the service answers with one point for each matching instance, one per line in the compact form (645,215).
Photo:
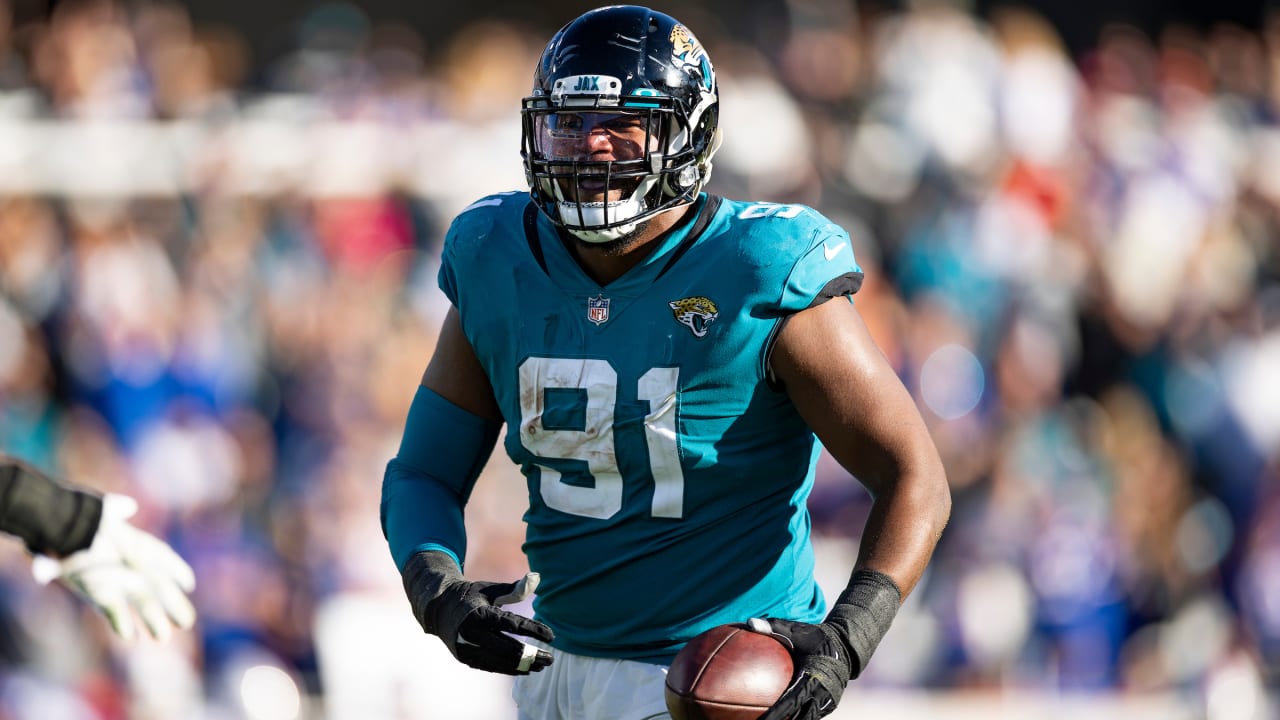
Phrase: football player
(86,542)
(662,360)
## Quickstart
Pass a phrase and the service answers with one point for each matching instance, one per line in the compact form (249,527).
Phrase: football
(727,673)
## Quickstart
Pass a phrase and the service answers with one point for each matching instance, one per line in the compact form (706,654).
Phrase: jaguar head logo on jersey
(598,309)
(696,313)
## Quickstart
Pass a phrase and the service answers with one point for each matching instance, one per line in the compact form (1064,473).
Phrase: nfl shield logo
(598,309)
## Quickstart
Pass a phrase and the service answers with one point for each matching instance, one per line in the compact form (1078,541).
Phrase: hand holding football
(727,673)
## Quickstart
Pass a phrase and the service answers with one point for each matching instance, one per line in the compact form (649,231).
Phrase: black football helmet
(641,78)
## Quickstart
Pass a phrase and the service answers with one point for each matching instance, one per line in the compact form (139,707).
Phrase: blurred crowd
(217,294)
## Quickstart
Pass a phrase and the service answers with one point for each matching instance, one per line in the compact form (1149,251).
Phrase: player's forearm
(50,518)
(906,522)
(427,485)
(904,526)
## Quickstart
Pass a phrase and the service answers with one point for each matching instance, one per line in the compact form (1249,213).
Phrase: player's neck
(607,262)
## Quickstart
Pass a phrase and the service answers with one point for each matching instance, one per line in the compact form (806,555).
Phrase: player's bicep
(849,394)
(455,373)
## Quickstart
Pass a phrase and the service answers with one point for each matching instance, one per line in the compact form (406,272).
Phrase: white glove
(126,570)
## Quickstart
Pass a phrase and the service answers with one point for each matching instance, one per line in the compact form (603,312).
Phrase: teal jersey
(667,475)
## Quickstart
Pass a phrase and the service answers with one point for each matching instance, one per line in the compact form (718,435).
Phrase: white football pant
(575,687)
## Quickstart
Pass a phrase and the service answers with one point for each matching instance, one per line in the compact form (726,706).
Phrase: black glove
(467,617)
(830,654)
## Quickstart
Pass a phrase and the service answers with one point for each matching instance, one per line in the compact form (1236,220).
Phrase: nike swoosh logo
(831,252)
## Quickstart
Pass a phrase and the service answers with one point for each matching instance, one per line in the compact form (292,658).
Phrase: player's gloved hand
(469,618)
(829,654)
(124,571)
(824,665)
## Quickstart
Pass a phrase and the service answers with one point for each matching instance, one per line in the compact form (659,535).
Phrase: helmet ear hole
(687,177)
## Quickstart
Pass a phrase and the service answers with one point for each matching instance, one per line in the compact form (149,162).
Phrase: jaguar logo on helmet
(688,53)
(696,313)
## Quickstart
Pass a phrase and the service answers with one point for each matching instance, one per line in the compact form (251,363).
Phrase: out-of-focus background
(219,228)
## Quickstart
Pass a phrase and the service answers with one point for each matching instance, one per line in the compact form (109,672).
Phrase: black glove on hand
(467,615)
(830,654)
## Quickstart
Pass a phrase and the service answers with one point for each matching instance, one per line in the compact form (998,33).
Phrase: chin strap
(593,214)
(602,237)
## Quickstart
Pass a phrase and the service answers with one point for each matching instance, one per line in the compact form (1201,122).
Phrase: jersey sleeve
(468,233)
(448,275)
(825,270)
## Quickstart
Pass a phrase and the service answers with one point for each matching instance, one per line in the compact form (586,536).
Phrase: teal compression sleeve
(427,485)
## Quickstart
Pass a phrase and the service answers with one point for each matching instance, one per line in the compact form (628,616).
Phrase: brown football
(727,673)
